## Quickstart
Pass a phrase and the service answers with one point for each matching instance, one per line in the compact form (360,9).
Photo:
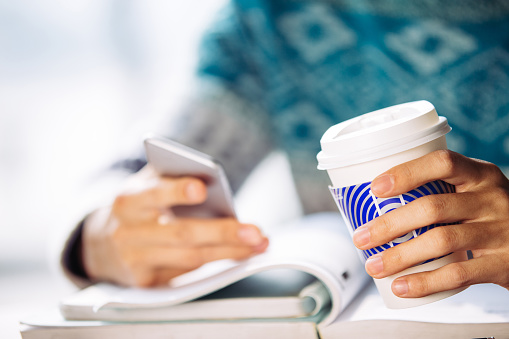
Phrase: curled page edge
(319,294)
(340,295)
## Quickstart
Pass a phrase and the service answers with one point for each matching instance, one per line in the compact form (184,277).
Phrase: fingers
(434,243)
(192,232)
(478,213)
(157,265)
(153,254)
(171,192)
(163,276)
(454,168)
(188,258)
(158,194)
(481,270)
(428,210)
(151,277)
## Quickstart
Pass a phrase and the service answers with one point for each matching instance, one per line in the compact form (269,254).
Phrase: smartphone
(170,158)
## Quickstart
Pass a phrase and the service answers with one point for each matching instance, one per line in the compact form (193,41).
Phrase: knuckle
(181,234)
(193,259)
(420,285)
(459,275)
(396,257)
(443,239)
(155,194)
(492,170)
(405,171)
(500,199)
(186,233)
(144,280)
(384,226)
(229,228)
(502,195)
(120,203)
(447,160)
(433,207)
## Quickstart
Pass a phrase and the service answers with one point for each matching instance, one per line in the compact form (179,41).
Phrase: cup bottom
(394,302)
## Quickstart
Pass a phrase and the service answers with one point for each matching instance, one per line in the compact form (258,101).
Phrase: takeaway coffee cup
(355,151)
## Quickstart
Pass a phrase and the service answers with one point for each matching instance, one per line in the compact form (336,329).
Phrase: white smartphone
(170,158)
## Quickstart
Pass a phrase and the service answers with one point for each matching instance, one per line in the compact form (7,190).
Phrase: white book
(309,284)
(481,311)
(310,269)
(51,325)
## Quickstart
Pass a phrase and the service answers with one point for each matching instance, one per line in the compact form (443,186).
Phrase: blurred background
(80,82)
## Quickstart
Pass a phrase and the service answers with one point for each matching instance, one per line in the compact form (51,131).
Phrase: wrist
(72,258)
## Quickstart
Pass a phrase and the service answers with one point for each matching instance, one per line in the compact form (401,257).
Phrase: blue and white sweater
(275,74)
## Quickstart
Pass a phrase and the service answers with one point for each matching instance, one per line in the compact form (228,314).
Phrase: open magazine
(480,311)
(310,284)
(311,269)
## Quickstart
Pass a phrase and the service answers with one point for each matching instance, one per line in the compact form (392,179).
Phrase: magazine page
(318,245)
(479,311)
(484,303)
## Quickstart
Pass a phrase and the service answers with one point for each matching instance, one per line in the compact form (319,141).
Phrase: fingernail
(193,192)
(400,287)
(374,264)
(361,236)
(249,235)
(382,184)
(261,247)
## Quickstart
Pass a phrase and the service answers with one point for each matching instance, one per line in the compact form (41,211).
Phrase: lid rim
(407,143)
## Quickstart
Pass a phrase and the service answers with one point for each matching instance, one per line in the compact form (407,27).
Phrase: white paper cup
(355,151)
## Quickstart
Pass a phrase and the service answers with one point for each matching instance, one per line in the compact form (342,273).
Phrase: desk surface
(26,288)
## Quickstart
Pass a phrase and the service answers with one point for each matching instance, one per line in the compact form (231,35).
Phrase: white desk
(26,288)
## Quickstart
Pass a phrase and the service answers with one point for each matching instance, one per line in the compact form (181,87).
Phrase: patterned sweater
(275,74)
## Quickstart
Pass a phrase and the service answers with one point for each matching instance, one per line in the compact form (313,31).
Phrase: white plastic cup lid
(380,134)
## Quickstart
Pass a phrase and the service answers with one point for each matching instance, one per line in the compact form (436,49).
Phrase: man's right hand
(139,242)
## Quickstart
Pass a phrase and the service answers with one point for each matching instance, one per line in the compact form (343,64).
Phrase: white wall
(80,82)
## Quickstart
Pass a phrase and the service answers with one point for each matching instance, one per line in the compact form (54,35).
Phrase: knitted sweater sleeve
(223,117)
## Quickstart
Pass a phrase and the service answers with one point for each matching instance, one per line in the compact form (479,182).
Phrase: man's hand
(138,242)
(480,206)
